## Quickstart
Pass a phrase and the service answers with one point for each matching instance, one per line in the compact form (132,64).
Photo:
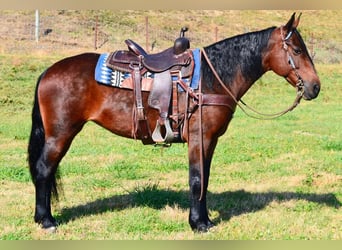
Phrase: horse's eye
(297,51)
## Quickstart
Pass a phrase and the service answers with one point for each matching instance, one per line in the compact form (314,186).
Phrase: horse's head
(288,56)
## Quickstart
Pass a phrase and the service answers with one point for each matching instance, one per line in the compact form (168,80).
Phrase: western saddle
(176,61)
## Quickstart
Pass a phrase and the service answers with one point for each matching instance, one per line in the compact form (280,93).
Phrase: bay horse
(67,96)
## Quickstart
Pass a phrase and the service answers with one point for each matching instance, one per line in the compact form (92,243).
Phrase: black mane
(239,52)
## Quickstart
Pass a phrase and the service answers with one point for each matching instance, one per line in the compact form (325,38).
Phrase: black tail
(37,140)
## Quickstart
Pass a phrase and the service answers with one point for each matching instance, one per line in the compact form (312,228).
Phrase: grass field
(278,179)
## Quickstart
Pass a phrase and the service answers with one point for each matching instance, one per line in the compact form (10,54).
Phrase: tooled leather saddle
(174,61)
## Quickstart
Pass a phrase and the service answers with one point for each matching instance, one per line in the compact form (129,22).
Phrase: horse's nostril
(316,89)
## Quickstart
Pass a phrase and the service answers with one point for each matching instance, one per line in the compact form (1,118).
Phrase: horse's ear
(289,24)
(293,22)
(296,22)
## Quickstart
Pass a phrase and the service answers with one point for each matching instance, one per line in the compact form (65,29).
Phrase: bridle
(242,105)
(300,83)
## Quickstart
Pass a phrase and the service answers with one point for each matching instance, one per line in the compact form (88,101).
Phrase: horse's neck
(238,60)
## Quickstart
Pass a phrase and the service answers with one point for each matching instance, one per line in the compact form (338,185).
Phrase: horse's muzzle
(311,90)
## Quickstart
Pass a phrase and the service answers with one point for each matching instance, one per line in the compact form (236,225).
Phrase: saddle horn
(182,31)
(181,43)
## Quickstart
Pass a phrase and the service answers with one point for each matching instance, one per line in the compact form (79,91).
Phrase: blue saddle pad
(108,76)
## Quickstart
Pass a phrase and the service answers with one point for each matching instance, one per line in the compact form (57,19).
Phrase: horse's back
(67,70)
(73,66)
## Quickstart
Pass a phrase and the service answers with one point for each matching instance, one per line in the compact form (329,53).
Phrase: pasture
(270,179)
(278,179)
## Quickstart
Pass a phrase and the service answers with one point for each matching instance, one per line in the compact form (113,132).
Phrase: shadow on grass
(228,204)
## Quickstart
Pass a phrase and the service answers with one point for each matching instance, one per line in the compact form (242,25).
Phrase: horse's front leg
(198,217)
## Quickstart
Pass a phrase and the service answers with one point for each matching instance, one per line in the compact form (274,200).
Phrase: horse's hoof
(51,230)
(203,227)
(49,225)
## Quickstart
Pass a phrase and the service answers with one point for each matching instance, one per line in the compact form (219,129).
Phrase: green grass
(279,179)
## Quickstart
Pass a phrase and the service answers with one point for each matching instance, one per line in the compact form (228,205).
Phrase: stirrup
(157,136)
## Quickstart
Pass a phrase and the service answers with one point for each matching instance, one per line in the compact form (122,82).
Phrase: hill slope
(69,31)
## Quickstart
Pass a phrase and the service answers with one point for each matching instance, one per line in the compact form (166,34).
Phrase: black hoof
(203,227)
(49,225)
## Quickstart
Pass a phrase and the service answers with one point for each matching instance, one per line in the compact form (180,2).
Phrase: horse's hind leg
(45,178)
(44,183)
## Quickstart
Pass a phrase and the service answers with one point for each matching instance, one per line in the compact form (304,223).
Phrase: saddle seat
(162,61)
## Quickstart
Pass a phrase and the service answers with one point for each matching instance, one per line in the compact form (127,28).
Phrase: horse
(67,96)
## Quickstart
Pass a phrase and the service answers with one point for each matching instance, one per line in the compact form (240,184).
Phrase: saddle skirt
(121,79)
